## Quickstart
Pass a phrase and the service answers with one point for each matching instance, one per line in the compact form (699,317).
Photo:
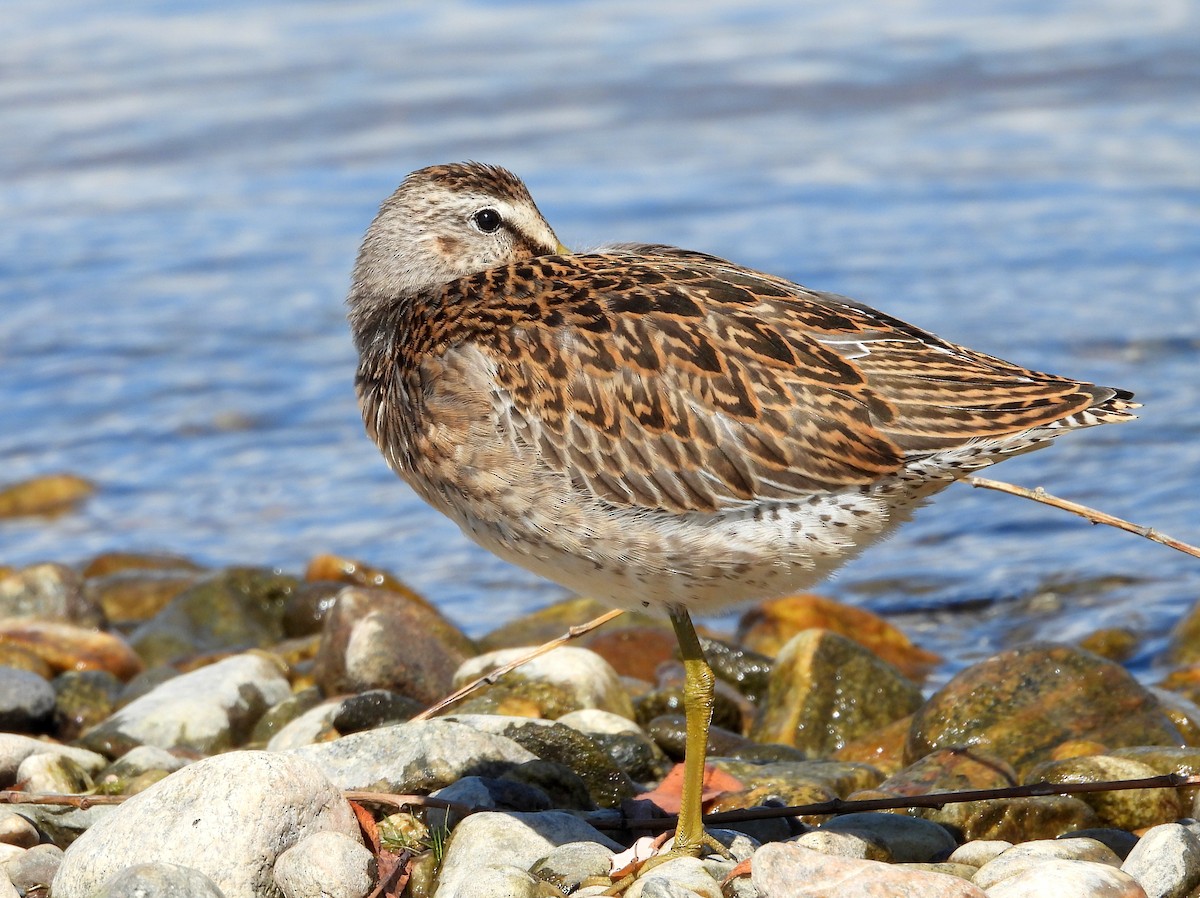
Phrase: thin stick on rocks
(1094,515)
(491,677)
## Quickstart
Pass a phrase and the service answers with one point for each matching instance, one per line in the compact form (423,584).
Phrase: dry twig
(1094,515)
(491,677)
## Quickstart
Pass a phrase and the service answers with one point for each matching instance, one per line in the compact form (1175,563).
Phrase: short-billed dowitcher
(661,428)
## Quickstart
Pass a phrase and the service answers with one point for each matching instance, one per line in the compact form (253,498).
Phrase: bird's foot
(650,853)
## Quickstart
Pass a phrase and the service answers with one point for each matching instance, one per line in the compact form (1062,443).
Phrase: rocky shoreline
(237,711)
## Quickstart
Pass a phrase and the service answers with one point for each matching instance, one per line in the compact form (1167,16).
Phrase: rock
(907,839)
(567,866)
(82,699)
(1014,819)
(768,626)
(132,596)
(840,777)
(1034,855)
(379,639)
(53,773)
(826,690)
(373,708)
(282,713)
(107,563)
(26,701)
(607,785)
(882,749)
(326,865)
(14,749)
(861,845)
(234,610)
(158,879)
(1183,647)
(419,756)
(554,620)
(1068,879)
(70,647)
(495,881)
(1023,702)
(1114,643)
(746,671)
(47,494)
(309,607)
(1125,809)
(134,765)
(47,592)
(1183,712)
(17,830)
(229,816)
(978,853)
(683,876)
(1121,841)
(313,725)
(788,870)
(1165,862)
(488,793)
(563,680)
(950,770)
(207,710)
(622,740)
(519,839)
(34,870)
(631,651)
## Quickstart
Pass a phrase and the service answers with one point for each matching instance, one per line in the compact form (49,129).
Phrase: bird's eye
(487,220)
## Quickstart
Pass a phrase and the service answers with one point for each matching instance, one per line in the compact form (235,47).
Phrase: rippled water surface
(184,185)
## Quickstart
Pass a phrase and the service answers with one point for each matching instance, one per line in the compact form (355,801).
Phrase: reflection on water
(184,187)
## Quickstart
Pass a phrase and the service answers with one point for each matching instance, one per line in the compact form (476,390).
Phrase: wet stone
(827,690)
(380,639)
(1022,703)
(768,626)
(950,770)
(1014,819)
(623,741)
(840,777)
(284,712)
(48,494)
(565,788)
(83,698)
(49,592)
(132,596)
(1183,712)
(70,647)
(26,701)
(861,845)
(1124,809)
(236,609)
(669,732)
(746,671)
(883,748)
(309,607)
(374,708)
(907,839)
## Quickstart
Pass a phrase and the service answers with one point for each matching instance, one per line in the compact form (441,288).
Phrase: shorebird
(659,428)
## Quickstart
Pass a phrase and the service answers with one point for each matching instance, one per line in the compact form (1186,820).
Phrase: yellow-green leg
(698,697)
(698,693)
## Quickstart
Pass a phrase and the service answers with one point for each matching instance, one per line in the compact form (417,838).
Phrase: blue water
(183,187)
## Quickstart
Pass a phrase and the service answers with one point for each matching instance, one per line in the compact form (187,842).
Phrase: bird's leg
(698,698)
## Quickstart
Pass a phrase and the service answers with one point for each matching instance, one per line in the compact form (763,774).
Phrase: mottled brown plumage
(660,427)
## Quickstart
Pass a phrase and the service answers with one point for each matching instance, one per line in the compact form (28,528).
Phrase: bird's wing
(666,379)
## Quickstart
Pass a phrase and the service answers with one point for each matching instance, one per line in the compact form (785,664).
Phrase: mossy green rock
(1130,809)
(1020,704)
(826,690)
(1014,819)
(239,608)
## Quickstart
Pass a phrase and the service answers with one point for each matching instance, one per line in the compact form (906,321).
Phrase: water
(183,187)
